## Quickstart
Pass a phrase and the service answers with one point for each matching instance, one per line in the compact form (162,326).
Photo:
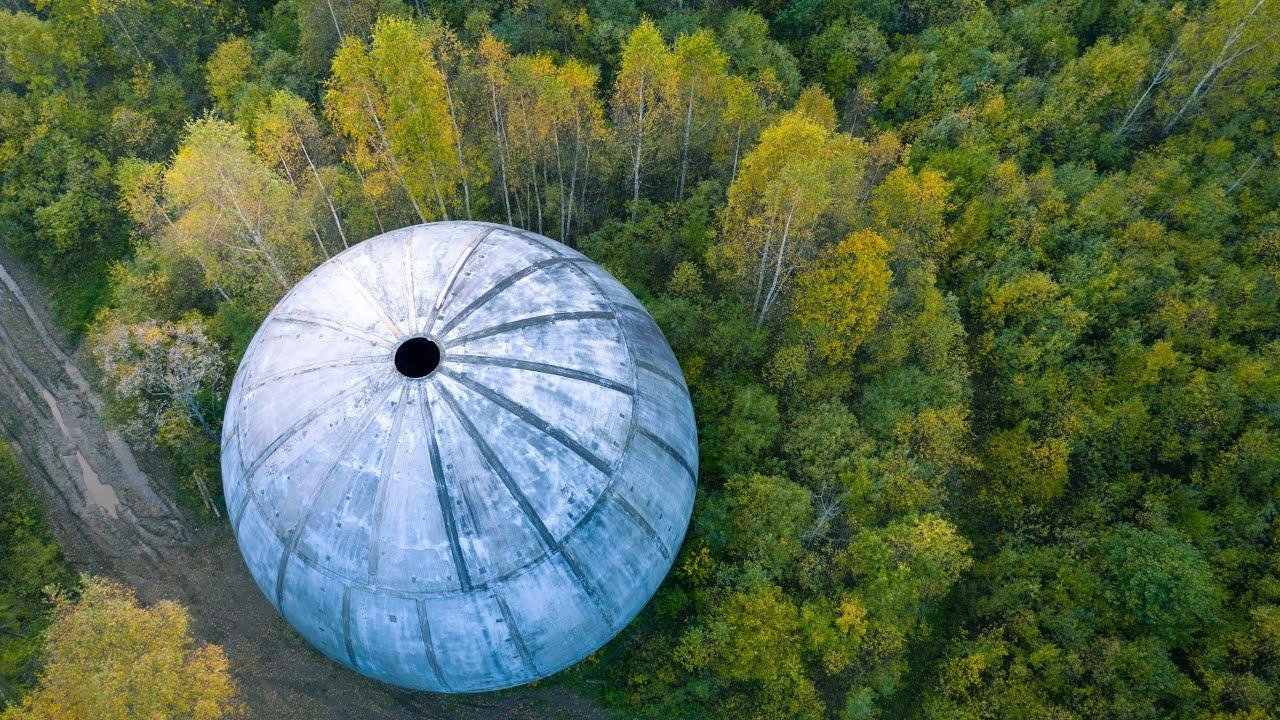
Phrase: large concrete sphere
(485,524)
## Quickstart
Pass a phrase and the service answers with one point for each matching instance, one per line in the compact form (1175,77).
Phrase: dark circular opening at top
(417,357)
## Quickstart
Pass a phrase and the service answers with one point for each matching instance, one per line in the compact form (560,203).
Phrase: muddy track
(111,519)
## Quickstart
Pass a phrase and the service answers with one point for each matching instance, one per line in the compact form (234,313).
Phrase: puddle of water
(53,408)
(102,494)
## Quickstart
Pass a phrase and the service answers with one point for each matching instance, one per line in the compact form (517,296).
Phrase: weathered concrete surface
(485,525)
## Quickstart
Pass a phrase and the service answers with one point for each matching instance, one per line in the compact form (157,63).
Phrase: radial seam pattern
(530,391)
(260,383)
(291,543)
(500,286)
(251,470)
(662,373)
(634,514)
(315,412)
(532,322)
(531,419)
(344,328)
(443,498)
(346,625)
(380,501)
(445,289)
(424,630)
(544,368)
(491,459)
(548,540)
(514,631)
(359,285)
(411,284)
(666,447)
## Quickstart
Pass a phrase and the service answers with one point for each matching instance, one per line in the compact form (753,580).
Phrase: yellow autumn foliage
(840,297)
(107,658)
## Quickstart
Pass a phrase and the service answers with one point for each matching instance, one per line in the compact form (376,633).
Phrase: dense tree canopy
(30,566)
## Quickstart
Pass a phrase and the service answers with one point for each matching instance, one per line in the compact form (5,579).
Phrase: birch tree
(234,214)
(643,82)
(168,282)
(791,197)
(699,96)
(288,136)
(530,86)
(545,120)
(1233,41)
(418,125)
(354,103)
(580,130)
(390,101)
(323,24)
(453,58)
(744,114)
(1158,76)
(493,60)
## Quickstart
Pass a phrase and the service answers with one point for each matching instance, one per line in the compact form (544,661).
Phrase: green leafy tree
(1160,582)
(786,204)
(768,520)
(840,297)
(106,658)
(30,565)
(755,640)
(229,210)
(644,81)
(389,99)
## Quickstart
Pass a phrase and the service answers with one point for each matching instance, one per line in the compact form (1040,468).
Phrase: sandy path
(111,519)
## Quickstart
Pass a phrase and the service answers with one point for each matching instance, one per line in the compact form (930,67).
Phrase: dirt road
(111,519)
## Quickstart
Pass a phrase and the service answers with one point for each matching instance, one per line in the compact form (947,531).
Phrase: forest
(978,302)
